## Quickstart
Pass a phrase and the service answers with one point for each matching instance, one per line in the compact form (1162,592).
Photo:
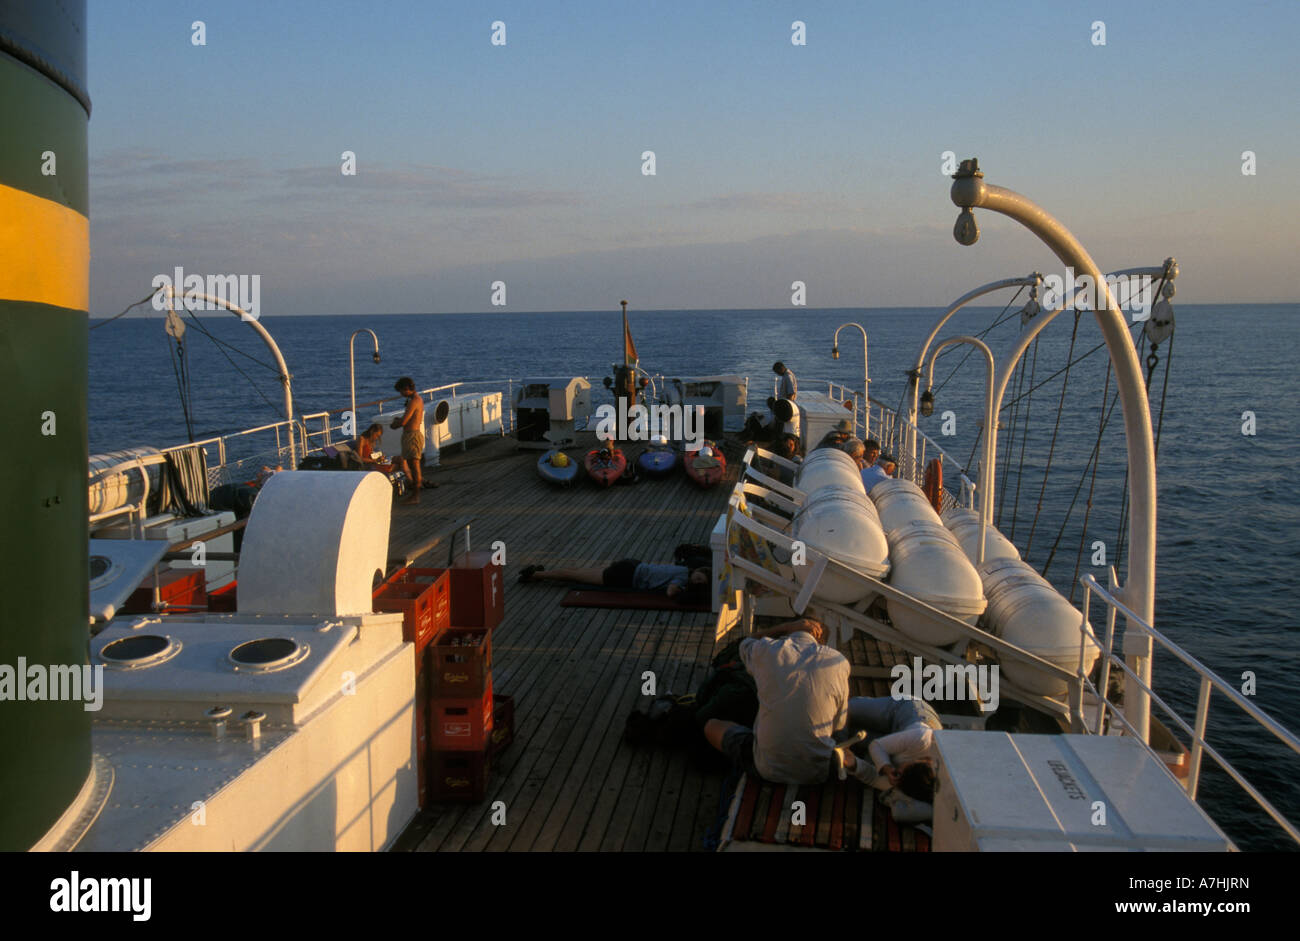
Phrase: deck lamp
(927,403)
(835,352)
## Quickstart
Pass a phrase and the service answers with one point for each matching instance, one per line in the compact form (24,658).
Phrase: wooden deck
(568,782)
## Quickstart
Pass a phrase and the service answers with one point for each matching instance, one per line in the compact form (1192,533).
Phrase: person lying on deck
(900,747)
(676,581)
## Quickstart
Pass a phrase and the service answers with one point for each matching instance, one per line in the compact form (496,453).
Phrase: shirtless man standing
(412,424)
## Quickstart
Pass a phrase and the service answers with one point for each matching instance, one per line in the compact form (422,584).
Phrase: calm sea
(1229,522)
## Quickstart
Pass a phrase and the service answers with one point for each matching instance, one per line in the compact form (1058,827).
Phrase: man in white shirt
(802,689)
(786,387)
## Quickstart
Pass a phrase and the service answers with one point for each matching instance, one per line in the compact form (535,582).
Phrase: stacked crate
(463,713)
(423,596)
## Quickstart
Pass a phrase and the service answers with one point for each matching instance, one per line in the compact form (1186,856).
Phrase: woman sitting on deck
(677,581)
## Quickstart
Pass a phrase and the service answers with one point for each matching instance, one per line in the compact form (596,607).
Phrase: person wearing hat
(837,437)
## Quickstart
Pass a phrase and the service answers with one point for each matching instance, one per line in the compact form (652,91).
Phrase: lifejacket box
(818,416)
(998,792)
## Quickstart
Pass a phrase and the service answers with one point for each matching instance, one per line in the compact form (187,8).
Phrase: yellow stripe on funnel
(44,251)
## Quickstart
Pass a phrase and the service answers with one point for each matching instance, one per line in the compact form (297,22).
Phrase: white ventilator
(314,542)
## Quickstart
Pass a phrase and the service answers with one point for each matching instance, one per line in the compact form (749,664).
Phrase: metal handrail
(1209,681)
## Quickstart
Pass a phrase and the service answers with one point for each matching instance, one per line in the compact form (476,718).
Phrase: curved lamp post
(969,191)
(352,368)
(990,428)
(286,380)
(866,376)
(1032,282)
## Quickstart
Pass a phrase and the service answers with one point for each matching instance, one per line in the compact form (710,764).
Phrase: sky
(774,162)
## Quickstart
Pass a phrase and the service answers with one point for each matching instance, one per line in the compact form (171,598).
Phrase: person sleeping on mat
(676,581)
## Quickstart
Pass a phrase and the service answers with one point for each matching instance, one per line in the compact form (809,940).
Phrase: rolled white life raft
(843,525)
(965,525)
(929,565)
(900,502)
(828,467)
(1024,609)
(116,490)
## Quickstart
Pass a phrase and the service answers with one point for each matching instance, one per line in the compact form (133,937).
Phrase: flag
(629,348)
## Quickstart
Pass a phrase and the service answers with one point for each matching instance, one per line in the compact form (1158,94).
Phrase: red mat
(639,600)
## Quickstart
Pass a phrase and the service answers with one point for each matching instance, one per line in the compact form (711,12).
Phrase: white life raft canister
(928,564)
(1025,610)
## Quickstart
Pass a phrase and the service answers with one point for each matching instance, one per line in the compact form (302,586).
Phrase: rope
(177,352)
(148,297)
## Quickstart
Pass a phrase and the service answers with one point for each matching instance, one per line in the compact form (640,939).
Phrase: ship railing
(1209,682)
(228,455)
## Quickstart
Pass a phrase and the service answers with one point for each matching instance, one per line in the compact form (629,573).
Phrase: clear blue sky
(775,162)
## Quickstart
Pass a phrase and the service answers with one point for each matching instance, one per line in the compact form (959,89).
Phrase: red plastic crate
(461,724)
(503,724)
(461,671)
(175,587)
(424,603)
(477,590)
(459,776)
(222,600)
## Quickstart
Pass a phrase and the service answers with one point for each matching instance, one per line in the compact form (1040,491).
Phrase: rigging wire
(144,300)
(1093,462)
(1024,438)
(1002,317)
(1056,427)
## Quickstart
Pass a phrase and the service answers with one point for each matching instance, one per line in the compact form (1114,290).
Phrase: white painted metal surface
(1065,793)
(721,397)
(818,416)
(314,542)
(129,562)
(332,767)
(170,529)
